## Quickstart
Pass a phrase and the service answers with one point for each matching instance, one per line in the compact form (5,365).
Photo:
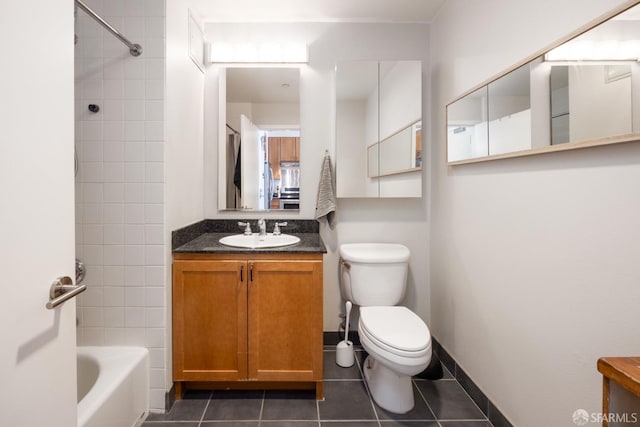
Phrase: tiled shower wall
(120,180)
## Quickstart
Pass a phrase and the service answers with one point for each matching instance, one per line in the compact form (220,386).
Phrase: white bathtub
(113,386)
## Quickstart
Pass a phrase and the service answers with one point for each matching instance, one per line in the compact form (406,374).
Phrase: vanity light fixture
(592,50)
(262,53)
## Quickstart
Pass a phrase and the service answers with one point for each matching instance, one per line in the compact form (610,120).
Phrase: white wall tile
(155,337)
(154,152)
(154,193)
(113,296)
(113,89)
(92,254)
(135,172)
(134,317)
(91,131)
(134,192)
(113,70)
(92,234)
(92,152)
(113,130)
(154,8)
(156,358)
(156,378)
(114,255)
(154,214)
(114,317)
(154,89)
(154,110)
(114,336)
(113,192)
(113,275)
(135,234)
(153,131)
(113,8)
(113,151)
(154,297)
(154,275)
(134,69)
(92,213)
(92,193)
(113,213)
(112,110)
(134,275)
(155,27)
(135,336)
(134,109)
(134,8)
(135,151)
(154,47)
(134,213)
(154,317)
(134,296)
(113,171)
(134,255)
(154,172)
(134,131)
(154,255)
(154,234)
(113,234)
(134,89)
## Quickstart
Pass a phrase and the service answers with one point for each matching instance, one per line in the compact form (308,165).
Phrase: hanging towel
(326,204)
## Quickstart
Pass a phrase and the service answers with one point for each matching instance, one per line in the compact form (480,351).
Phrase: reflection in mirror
(262,148)
(399,153)
(356,128)
(378,129)
(592,83)
(590,101)
(510,112)
(467,130)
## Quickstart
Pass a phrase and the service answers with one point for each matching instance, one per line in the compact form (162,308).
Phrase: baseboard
(486,406)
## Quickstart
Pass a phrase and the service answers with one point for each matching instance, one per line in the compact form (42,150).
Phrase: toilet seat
(396,330)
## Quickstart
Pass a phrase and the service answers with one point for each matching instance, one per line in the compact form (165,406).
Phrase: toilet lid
(396,327)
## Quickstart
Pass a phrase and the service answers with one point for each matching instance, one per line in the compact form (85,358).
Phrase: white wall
(398,220)
(120,200)
(534,271)
(184,136)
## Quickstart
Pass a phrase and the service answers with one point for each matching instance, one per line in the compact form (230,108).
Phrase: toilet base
(389,390)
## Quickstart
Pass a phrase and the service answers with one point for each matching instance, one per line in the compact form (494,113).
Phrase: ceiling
(316,10)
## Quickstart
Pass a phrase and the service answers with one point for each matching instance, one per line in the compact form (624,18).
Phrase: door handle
(63,289)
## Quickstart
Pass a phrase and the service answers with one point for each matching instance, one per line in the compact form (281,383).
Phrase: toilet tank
(373,273)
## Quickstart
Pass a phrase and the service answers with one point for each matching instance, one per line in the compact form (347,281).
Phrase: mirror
(261,145)
(582,93)
(379,129)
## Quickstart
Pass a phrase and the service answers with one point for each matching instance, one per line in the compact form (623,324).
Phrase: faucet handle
(247,227)
(276,228)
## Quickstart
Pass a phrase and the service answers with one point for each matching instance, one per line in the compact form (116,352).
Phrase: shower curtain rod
(134,48)
(232,129)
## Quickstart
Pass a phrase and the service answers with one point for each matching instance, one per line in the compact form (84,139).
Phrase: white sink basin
(255,241)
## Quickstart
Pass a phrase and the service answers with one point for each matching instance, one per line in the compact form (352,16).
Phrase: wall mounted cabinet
(378,129)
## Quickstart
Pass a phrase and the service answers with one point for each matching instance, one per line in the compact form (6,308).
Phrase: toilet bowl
(399,346)
(373,276)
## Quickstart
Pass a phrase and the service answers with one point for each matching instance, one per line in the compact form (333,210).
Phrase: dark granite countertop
(204,236)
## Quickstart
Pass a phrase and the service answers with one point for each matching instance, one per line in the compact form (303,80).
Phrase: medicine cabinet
(379,129)
(582,92)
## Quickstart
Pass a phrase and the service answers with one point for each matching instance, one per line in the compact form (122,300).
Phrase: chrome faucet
(262,226)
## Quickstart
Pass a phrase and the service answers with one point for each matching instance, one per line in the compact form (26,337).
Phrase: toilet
(373,276)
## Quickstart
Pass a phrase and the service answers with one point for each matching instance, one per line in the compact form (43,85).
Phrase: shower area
(120,186)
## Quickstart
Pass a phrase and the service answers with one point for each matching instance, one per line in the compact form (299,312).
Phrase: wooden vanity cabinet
(248,320)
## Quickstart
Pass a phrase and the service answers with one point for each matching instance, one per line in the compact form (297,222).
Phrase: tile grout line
(205,408)
(413,383)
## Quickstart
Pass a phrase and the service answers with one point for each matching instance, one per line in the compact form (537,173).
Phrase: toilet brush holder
(344,354)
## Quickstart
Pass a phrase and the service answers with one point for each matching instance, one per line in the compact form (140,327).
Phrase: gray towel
(326,204)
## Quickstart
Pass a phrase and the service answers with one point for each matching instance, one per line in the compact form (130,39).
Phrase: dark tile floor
(441,403)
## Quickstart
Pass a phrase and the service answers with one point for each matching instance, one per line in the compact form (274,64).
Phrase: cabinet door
(285,320)
(289,149)
(209,320)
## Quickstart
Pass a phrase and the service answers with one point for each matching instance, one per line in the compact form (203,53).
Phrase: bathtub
(113,386)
